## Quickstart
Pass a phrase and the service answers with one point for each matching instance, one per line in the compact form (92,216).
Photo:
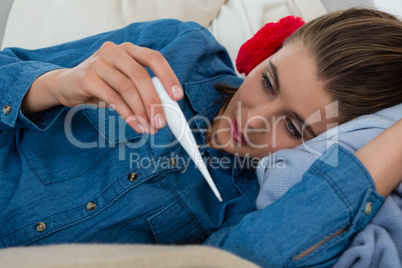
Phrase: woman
(107,183)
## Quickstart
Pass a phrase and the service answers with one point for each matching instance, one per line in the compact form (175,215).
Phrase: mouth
(235,134)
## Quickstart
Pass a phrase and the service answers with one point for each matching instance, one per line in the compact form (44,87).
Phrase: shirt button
(40,226)
(91,206)
(7,109)
(132,176)
(368,208)
(173,162)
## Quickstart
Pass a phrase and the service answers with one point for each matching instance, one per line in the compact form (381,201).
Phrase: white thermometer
(181,130)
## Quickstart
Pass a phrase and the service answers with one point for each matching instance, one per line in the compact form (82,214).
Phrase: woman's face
(280,104)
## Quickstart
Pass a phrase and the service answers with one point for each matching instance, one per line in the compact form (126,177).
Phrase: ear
(266,42)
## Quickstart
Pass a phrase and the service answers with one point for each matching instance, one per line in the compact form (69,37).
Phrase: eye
(266,83)
(292,129)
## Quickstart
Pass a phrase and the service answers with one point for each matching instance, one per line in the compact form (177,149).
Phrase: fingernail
(177,92)
(151,129)
(159,121)
(142,130)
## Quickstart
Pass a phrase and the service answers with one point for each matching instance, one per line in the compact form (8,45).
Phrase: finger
(147,93)
(104,92)
(140,88)
(160,67)
(145,103)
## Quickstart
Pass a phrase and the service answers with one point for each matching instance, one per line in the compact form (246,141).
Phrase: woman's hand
(114,75)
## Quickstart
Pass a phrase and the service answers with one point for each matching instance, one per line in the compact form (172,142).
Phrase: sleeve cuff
(348,177)
(10,103)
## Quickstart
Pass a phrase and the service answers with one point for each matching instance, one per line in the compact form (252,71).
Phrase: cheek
(241,96)
(240,100)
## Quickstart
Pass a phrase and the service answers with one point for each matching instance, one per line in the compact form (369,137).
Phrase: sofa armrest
(123,256)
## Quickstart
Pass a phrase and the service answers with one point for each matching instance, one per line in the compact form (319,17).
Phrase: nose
(262,116)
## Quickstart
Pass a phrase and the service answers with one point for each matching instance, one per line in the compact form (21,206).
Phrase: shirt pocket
(176,225)
(74,145)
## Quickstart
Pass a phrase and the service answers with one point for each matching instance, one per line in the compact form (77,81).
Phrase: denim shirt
(83,175)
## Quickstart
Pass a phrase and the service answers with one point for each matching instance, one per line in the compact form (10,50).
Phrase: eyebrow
(296,115)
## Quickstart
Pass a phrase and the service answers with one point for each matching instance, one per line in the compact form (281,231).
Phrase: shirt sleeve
(335,199)
(16,77)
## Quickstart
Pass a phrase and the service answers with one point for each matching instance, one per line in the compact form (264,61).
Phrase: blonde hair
(358,55)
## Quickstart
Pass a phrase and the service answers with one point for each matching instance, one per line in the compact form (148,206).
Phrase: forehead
(300,89)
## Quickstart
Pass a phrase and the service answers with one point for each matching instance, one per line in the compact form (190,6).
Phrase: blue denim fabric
(47,181)
(330,198)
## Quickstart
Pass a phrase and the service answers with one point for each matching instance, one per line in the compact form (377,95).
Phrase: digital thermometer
(181,130)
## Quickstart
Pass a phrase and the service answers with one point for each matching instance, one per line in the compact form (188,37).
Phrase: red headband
(266,42)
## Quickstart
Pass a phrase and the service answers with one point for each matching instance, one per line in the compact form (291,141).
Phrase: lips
(234,132)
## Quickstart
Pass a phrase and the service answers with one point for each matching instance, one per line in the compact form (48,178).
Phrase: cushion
(40,23)
(123,256)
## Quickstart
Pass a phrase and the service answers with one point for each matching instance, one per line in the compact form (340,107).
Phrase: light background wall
(393,6)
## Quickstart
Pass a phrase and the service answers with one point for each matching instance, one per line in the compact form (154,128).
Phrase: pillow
(40,23)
